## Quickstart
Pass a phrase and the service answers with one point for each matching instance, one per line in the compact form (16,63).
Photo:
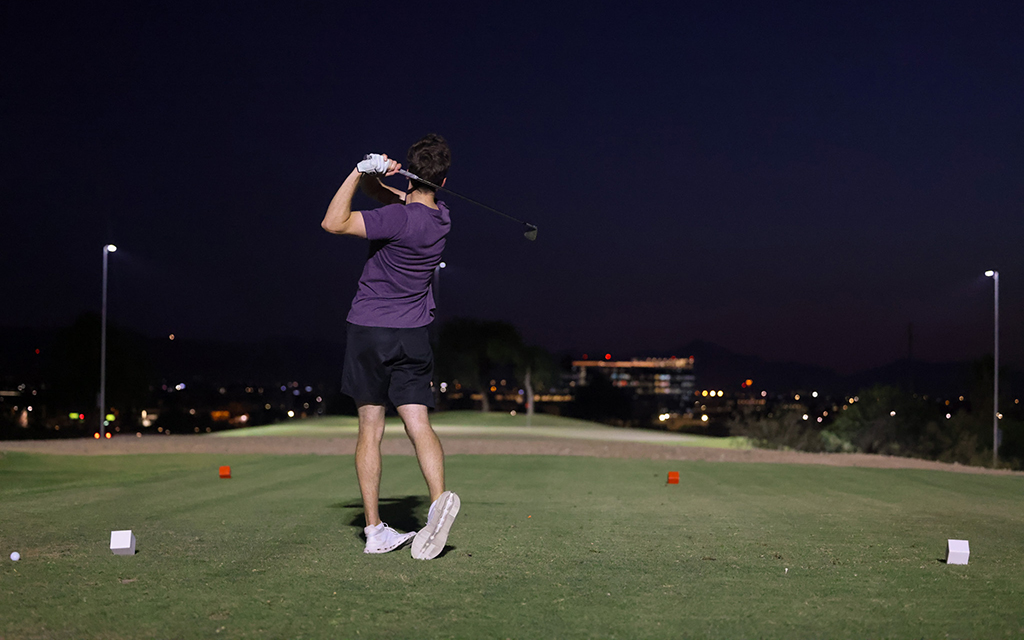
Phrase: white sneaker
(429,542)
(382,538)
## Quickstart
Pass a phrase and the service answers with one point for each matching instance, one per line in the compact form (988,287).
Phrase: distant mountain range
(282,359)
(269,361)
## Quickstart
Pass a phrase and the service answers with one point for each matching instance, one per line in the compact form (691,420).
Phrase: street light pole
(995,386)
(107,250)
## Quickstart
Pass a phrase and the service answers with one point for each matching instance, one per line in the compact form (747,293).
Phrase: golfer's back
(406,242)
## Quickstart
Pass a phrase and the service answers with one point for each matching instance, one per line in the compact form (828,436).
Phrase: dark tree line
(891,421)
(474,352)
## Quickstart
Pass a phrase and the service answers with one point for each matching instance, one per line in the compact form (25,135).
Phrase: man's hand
(378,164)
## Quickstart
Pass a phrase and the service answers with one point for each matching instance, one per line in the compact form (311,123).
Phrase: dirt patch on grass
(286,445)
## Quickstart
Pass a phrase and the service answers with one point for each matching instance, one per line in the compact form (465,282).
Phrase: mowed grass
(349,425)
(477,424)
(545,547)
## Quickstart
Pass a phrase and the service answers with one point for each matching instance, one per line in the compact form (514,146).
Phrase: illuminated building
(660,384)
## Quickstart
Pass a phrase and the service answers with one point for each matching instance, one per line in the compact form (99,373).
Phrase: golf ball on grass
(15,556)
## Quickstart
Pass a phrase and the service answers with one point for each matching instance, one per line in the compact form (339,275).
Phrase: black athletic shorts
(383,363)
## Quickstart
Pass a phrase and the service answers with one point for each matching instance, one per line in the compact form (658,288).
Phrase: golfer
(388,357)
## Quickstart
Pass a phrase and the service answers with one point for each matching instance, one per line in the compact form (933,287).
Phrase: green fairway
(545,547)
(476,424)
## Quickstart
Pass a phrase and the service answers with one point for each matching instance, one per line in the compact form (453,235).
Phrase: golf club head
(531,232)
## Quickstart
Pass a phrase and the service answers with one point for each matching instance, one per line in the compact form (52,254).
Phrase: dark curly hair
(429,158)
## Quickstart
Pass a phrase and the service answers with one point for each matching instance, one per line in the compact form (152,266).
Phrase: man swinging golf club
(388,355)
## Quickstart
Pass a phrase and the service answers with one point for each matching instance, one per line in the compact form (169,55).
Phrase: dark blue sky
(797,181)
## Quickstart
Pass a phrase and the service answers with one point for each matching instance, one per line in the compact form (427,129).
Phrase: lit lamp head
(990,273)
(110,248)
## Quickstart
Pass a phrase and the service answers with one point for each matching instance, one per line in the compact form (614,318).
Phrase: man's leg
(444,505)
(368,465)
(427,445)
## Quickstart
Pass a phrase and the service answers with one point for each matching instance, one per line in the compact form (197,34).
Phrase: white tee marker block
(957,552)
(122,543)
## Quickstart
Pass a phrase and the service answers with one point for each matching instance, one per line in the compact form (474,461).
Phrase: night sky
(797,181)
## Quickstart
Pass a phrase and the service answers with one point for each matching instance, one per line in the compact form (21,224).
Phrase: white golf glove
(373,164)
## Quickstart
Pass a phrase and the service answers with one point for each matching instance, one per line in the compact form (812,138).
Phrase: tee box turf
(957,551)
(122,543)
(225,472)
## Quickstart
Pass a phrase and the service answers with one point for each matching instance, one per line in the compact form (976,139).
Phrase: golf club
(531,230)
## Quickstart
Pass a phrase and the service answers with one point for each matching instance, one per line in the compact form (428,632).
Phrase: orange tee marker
(673,477)
(225,472)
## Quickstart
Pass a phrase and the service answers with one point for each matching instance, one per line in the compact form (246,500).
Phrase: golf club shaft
(413,176)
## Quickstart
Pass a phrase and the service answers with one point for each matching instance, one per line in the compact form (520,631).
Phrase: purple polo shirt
(406,242)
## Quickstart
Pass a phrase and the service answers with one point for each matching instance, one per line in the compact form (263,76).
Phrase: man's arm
(340,218)
(382,193)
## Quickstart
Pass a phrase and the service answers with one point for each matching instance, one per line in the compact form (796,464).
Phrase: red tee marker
(225,472)
(673,477)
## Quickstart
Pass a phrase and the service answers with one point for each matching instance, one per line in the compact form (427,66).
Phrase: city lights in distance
(704,418)
(892,414)
(663,417)
(170,337)
(291,414)
(806,416)
(814,394)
